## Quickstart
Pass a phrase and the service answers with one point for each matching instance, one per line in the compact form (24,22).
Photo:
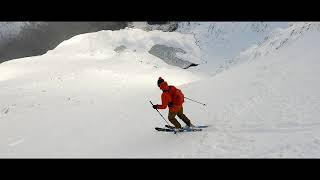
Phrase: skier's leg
(183,117)
(173,120)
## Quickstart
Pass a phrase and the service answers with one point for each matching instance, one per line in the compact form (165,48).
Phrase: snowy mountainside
(280,38)
(25,39)
(273,43)
(89,97)
(268,107)
(136,41)
(68,102)
(221,42)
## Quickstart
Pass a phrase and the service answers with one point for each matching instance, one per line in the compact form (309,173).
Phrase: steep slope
(268,107)
(25,39)
(84,99)
(90,98)
(221,42)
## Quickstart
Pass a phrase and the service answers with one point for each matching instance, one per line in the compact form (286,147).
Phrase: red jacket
(166,98)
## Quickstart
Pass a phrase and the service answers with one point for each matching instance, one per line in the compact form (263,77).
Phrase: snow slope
(278,39)
(221,42)
(269,107)
(25,39)
(83,99)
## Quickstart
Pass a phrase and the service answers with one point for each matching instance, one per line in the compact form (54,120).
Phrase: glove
(155,106)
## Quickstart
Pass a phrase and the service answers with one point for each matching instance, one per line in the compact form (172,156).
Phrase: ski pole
(161,115)
(195,101)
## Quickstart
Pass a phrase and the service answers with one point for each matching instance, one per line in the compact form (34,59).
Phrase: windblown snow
(89,97)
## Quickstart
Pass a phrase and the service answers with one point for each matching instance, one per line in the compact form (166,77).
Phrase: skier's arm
(165,101)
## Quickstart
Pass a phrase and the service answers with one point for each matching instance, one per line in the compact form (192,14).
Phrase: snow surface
(221,42)
(85,100)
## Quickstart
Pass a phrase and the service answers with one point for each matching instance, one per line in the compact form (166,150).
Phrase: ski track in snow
(16,142)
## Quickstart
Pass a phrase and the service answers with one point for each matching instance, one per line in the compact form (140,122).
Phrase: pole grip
(160,114)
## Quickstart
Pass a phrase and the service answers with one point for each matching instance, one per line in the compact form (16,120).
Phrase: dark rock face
(168,55)
(157,22)
(119,49)
(37,40)
(166,26)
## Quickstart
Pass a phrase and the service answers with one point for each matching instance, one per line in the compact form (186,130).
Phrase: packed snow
(89,97)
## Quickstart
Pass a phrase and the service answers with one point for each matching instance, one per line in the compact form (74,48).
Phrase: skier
(174,98)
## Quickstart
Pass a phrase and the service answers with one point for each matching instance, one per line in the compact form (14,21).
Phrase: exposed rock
(168,55)
(120,48)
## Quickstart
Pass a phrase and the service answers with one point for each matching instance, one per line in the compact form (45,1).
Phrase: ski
(177,130)
(203,126)
(172,127)
(164,129)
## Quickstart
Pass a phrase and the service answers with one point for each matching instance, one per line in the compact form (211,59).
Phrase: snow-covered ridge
(107,44)
(150,26)
(227,39)
(279,39)
(24,39)
(47,35)
(217,40)
(221,42)
(272,44)
(243,42)
(130,46)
